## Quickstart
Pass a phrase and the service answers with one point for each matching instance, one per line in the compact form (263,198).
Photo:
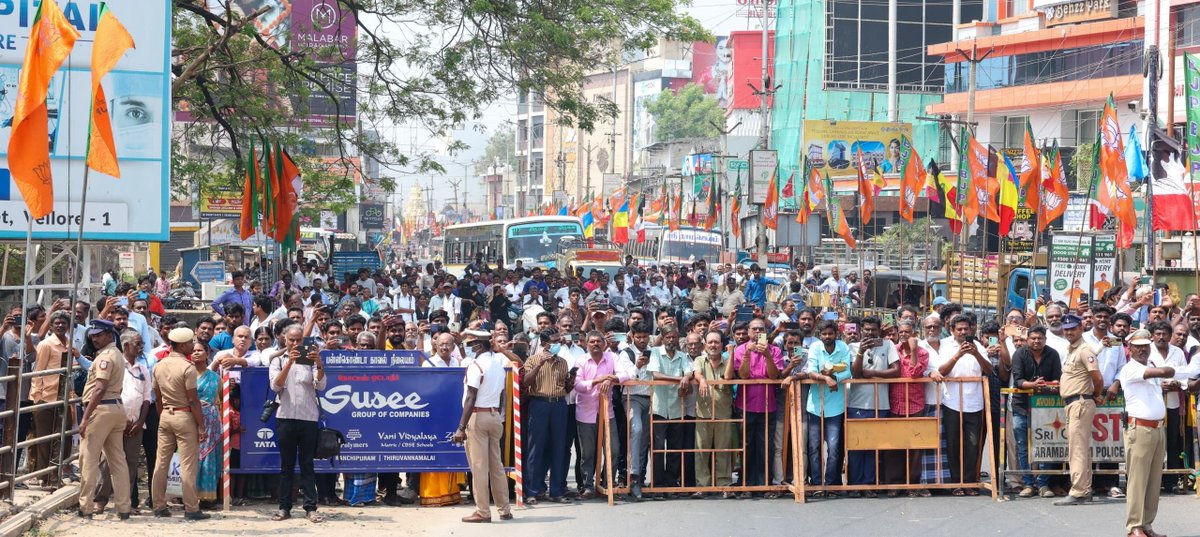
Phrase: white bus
(533,241)
(680,246)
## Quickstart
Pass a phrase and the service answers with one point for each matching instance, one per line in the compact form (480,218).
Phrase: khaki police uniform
(105,431)
(1077,391)
(174,376)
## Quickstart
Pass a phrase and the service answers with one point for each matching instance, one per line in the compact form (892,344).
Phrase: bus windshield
(685,245)
(537,242)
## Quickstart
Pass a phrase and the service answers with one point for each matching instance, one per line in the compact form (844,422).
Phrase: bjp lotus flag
(1113,191)
(1031,171)
(51,39)
(771,206)
(676,212)
(1054,191)
(112,41)
(804,209)
(912,174)
(836,218)
(866,190)
(735,208)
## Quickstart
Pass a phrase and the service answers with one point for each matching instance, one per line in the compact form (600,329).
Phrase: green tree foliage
(689,113)
(501,148)
(429,64)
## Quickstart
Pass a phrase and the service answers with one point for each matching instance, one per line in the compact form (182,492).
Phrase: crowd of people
(574,337)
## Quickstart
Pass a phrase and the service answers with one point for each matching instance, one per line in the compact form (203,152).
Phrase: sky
(719,17)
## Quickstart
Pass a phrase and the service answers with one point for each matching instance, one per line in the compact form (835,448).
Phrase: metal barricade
(67,428)
(923,432)
(1108,427)
(739,451)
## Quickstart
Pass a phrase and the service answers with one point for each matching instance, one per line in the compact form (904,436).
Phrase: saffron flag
(1172,207)
(789,191)
(1114,193)
(816,190)
(621,223)
(836,218)
(972,178)
(912,174)
(803,209)
(51,39)
(1054,191)
(270,183)
(991,204)
(112,41)
(1009,197)
(1031,171)
(247,223)
(287,197)
(771,206)
(735,209)
(583,206)
(866,190)
(676,211)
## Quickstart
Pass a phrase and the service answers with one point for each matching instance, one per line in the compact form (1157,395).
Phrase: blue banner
(398,419)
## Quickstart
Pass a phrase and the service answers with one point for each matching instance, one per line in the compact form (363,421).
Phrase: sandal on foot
(281,516)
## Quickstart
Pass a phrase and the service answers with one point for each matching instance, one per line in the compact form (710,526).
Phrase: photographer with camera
(296,377)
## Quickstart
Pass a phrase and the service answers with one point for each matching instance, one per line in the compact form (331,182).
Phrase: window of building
(1187,26)
(1079,126)
(856,43)
(1089,63)
(1009,131)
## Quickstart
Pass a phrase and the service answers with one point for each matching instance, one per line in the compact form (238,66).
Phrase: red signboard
(598,256)
(747,66)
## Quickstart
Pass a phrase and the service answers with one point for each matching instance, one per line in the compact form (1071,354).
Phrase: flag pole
(1037,235)
(29,262)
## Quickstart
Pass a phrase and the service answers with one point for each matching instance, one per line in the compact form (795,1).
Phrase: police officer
(1145,439)
(180,424)
(1081,387)
(103,424)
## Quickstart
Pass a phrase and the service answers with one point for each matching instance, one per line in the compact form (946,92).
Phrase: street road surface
(924,517)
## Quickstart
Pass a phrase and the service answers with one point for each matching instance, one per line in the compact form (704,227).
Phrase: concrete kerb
(19,523)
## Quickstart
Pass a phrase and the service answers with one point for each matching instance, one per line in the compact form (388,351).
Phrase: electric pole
(726,223)
(764,96)
(454,201)
(974,58)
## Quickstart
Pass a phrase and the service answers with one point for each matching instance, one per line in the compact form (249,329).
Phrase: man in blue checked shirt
(238,295)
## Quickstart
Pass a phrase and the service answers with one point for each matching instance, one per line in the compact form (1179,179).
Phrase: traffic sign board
(209,271)
(738,165)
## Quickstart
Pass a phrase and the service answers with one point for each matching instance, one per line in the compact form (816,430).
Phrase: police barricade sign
(1048,430)
(396,418)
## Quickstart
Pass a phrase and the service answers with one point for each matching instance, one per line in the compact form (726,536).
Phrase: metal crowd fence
(14,408)
(939,433)
(1108,425)
(921,433)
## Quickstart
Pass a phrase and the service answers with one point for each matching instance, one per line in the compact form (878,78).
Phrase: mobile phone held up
(306,348)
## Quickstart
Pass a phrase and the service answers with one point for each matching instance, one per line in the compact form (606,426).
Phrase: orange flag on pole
(912,176)
(51,39)
(835,218)
(1113,192)
(112,41)
(771,206)
(866,190)
(1031,171)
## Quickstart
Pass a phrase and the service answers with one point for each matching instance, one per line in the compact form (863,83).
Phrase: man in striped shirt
(547,377)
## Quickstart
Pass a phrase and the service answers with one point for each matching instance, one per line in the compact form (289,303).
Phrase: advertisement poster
(1048,425)
(221,204)
(763,164)
(832,146)
(1020,237)
(134,207)
(1104,265)
(394,419)
(1070,267)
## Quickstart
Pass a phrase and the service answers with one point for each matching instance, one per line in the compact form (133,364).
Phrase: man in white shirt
(1164,354)
(403,302)
(874,357)
(961,355)
(834,283)
(482,429)
(1145,438)
(444,301)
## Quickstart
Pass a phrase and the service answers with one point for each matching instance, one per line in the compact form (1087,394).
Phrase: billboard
(763,164)
(134,207)
(746,57)
(371,215)
(644,92)
(221,204)
(1081,264)
(322,29)
(1048,424)
(832,146)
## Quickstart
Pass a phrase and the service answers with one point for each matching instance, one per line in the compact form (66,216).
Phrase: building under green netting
(831,59)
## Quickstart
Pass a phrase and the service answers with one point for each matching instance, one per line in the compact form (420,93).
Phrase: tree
(501,148)
(689,113)
(427,63)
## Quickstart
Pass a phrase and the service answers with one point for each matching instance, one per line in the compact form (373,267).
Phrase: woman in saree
(208,388)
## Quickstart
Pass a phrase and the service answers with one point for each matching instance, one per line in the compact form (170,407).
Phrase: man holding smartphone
(874,358)
(639,406)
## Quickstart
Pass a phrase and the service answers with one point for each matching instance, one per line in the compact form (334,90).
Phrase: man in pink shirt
(596,376)
(757,359)
(906,400)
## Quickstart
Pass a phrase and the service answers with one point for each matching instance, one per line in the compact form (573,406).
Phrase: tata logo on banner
(265,439)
